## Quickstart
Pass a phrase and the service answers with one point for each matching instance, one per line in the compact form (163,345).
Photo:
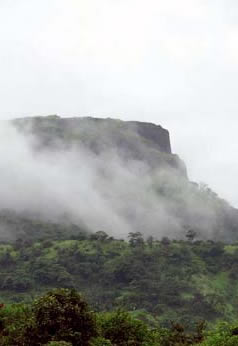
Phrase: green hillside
(104,208)
(62,317)
(169,279)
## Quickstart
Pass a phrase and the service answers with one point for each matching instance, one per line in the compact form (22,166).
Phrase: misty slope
(131,140)
(104,174)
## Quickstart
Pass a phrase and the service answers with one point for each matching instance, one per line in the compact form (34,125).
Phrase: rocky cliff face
(119,176)
(140,141)
(156,135)
(70,128)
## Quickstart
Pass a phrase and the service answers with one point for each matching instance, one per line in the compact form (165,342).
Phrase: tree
(150,241)
(136,239)
(121,329)
(190,235)
(60,315)
(165,241)
(100,236)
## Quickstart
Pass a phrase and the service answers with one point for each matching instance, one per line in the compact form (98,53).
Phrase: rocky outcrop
(156,135)
(119,176)
(135,140)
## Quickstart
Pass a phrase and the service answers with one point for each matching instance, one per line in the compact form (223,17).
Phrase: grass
(231,249)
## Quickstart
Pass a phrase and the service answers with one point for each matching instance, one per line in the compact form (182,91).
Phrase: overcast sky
(172,62)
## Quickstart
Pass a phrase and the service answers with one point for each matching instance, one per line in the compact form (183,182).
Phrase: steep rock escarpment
(131,140)
(118,176)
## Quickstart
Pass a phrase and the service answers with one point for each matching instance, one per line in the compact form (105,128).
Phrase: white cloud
(172,62)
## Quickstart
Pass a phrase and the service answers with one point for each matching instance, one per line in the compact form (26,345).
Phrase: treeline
(62,317)
(156,280)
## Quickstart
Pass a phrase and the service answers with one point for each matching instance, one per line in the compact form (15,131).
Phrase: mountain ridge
(103,134)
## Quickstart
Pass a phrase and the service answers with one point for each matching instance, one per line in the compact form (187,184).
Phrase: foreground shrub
(223,335)
(121,329)
(13,320)
(99,341)
(60,315)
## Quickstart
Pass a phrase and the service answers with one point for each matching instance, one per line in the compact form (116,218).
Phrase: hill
(105,207)
(104,174)
(131,140)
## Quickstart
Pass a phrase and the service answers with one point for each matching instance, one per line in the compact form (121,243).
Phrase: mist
(102,191)
(175,66)
(172,63)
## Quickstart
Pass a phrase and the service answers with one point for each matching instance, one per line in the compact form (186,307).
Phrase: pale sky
(172,62)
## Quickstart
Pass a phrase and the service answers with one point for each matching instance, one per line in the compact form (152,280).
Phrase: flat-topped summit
(113,175)
(156,135)
(142,141)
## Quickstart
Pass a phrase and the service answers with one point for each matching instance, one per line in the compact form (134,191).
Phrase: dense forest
(62,317)
(165,280)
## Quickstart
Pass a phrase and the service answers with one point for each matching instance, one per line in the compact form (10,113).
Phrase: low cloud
(100,191)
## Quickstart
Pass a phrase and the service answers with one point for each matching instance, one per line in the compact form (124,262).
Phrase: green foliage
(136,239)
(223,335)
(60,315)
(168,279)
(121,329)
(100,341)
(13,320)
(63,318)
(177,335)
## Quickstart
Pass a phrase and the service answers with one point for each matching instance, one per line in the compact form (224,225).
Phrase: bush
(121,329)
(100,342)
(61,315)
(223,335)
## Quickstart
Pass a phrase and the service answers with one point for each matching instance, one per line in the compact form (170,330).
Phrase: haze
(171,62)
